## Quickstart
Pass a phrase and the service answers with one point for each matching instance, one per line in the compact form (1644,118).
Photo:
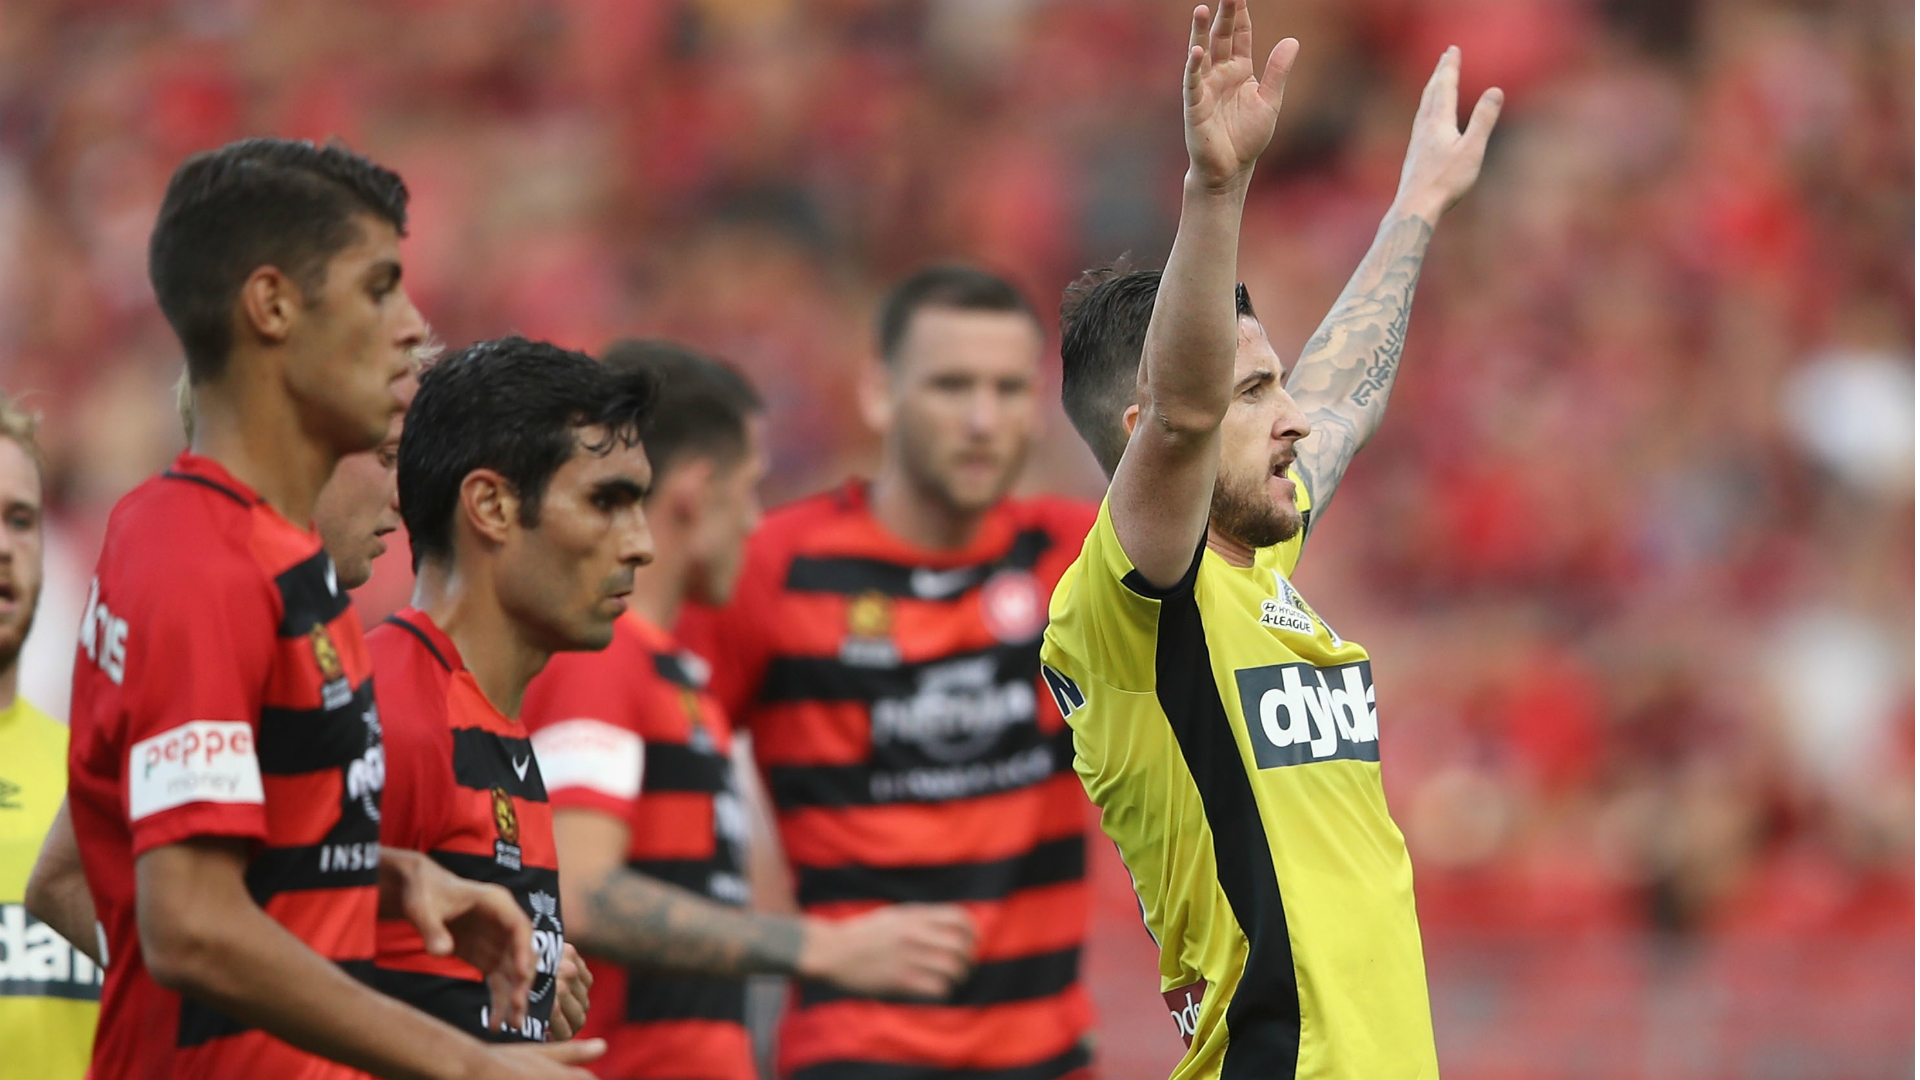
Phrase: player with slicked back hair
(521,480)
(226,762)
(1230,738)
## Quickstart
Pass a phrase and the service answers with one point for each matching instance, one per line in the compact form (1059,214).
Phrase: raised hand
(1230,114)
(1442,163)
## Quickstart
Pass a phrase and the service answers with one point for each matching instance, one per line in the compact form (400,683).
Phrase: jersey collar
(416,622)
(207,472)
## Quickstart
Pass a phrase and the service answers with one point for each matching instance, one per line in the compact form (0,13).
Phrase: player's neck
(253,430)
(1235,552)
(918,515)
(660,587)
(9,684)
(491,643)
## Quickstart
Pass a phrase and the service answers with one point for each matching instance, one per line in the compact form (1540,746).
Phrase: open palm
(1442,161)
(1230,114)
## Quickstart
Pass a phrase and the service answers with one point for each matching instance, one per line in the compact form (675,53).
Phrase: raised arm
(1164,484)
(1344,375)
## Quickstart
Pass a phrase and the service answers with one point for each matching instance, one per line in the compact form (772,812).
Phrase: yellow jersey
(49,990)
(1230,740)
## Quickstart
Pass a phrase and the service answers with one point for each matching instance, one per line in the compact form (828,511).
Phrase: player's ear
(489,505)
(1130,419)
(688,491)
(876,395)
(268,304)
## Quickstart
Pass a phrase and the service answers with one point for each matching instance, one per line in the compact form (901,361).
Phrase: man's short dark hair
(254,203)
(944,285)
(516,407)
(702,408)
(1103,328)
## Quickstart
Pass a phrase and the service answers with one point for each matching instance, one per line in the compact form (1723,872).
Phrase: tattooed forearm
(1346,372)
(636,920)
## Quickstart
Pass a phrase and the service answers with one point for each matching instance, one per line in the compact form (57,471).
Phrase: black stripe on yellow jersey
(1230,739)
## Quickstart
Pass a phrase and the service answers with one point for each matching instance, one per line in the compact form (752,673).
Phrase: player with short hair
(883,650)
(521,478)
(49,989)
(651,824)
(1229,736)
(226,765)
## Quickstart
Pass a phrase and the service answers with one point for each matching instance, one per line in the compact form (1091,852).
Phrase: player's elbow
(42,899)
(1181,421)
(181,949)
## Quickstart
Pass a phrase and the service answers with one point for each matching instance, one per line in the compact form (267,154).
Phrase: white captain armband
(591,754)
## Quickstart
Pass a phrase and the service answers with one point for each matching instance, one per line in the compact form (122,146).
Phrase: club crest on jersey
(1298,714)
(506,822)
(869,640)
(335,691)
(1012,607)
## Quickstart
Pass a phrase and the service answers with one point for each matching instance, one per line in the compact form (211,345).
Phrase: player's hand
(1229,113)
(1442,163)
(904,950)
(475,921)
(571,984)
(540,1061)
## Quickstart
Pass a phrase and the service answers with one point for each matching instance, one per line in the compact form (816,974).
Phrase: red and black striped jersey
(632,732)
(467,791)
(893,697)
(222,689)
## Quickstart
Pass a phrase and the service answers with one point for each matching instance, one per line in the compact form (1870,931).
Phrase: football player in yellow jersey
(49,990)
(1228,735)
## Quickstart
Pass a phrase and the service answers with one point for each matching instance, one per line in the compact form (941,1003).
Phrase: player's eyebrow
(620,491)
(1256,377)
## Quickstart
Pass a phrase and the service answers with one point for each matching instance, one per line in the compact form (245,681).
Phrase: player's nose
(1290,425)
(636,542)
(412,327)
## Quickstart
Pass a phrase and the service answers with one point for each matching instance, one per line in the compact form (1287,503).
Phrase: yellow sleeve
(1105,617)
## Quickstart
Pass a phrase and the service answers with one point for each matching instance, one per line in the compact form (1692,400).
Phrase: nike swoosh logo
(938,584)
(333,581)
(520,766)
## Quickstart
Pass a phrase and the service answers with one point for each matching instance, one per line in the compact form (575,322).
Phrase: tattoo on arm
(1346,372)
(639,921)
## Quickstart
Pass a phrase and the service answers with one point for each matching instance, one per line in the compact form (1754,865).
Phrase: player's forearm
(1187,359)
(638,921)
(252,969)
(202,935)
(57,892)
(1344,375)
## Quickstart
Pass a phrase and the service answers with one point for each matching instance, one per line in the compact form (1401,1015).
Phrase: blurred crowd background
(1634,552)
